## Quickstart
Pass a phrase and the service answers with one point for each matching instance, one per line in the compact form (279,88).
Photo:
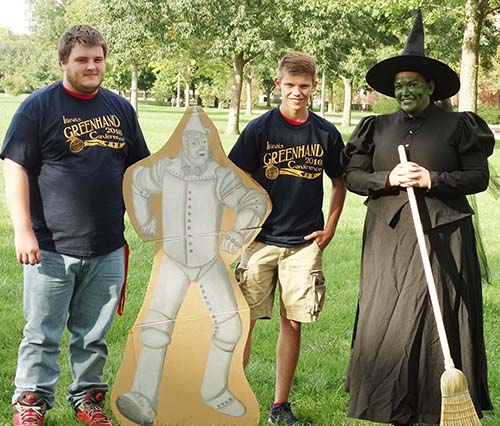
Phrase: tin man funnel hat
(194,124)
(381,76)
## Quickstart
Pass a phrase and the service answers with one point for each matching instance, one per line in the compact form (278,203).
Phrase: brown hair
(80,34)
(297,63)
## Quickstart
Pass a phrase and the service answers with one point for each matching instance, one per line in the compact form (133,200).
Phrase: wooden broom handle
(431,285)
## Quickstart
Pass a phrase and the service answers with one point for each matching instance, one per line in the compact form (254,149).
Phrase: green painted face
(412,92)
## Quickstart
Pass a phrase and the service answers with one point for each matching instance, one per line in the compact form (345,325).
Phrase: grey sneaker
(282,415)
(137,408)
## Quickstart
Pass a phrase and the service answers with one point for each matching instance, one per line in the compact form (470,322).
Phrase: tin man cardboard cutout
(183,360)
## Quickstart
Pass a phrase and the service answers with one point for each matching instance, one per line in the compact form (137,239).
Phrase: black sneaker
(281,415)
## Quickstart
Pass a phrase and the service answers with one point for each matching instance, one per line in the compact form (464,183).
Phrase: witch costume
(396,360)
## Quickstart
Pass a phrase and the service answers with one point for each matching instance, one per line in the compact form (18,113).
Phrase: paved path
(495,128)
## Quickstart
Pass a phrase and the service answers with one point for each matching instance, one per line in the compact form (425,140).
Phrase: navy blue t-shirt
(75,152)
(288,160)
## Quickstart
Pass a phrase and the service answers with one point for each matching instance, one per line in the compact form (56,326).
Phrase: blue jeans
(81,293)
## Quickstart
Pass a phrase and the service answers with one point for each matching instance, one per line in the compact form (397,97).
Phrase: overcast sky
(12,15)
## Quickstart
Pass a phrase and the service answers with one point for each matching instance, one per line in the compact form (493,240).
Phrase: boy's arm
(324,236)
(18,203)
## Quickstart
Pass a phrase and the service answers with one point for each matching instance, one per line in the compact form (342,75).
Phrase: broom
(457,408)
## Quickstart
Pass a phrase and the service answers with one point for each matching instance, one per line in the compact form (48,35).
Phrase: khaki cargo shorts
(296,270)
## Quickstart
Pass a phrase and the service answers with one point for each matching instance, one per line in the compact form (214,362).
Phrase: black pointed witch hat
(381,76)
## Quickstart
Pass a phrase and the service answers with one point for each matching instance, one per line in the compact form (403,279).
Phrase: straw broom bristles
(457,408)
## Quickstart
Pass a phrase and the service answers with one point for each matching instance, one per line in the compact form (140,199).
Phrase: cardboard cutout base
(183,363)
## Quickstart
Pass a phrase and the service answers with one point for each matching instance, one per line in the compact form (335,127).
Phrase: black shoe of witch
(281,415)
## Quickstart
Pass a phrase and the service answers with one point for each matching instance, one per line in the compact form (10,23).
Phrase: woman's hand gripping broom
(457,408)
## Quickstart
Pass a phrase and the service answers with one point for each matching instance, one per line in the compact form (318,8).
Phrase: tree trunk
(186,95)
(323,93)
(346,114)
(179,88)
(248,80)
(330,104)
(467,100)
(133,85)
(233,120)
(268,97)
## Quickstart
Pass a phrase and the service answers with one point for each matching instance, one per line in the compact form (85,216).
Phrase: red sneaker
(29,410)
(90,411)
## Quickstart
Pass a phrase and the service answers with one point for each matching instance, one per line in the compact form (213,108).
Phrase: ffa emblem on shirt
(272,172)
(75,144)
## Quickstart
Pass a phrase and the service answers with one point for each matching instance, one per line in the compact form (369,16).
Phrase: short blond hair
(297,63)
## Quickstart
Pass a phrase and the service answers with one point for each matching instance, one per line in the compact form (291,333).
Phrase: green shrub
(13,84)
(489,113)
(384,105)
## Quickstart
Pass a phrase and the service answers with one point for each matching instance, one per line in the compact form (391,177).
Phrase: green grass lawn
(318,392)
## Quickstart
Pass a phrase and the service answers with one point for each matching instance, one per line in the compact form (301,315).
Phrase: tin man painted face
(196,145)
(412,92)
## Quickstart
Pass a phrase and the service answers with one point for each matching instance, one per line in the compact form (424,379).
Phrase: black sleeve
(475,142)
(360,176)
(245,153)
(335,165)
(138,148)
(21,143)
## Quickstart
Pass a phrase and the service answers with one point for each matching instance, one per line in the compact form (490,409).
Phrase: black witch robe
(396,360)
